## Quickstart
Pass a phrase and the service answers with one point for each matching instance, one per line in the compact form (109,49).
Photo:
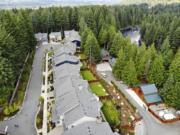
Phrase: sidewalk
(44,129)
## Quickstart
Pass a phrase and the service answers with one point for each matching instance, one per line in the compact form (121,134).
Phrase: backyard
(111,113)
(82,56)
(87,75)
(98,89)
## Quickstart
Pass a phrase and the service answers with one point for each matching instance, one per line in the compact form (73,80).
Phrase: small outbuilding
(149,94)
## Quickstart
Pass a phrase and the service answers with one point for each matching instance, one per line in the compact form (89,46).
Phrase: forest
(157,60)
(16,41)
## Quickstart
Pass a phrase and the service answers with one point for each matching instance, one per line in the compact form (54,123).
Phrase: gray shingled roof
(91,128)
(55,34)
(66,70)
(68,48)
(41,36)
(65,97)
(65,57)
(75,36)
(75,101)
(72,35)
(67,102)
(89,105)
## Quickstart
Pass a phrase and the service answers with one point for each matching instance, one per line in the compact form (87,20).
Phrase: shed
(150,93)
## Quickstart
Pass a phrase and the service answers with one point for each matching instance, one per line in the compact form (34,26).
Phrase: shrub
(110,112)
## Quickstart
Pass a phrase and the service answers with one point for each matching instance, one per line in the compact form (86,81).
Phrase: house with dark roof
(91,128)
(74,37)
(67,48)
(65,58)
(76,109)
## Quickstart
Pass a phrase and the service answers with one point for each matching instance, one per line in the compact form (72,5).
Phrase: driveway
(152,126)
(26,118)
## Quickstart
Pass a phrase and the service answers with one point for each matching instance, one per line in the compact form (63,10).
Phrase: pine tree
(177,91)
(176,40)
(174,32)
(142,60)
(174,67)
(103,36)
(84,36)
(129,74)
(119,65)
(7,77)
(111,35)
(156,72)
(168,92)
(116,44)
(92,49)
(82,25)
(171,88)
(166,52)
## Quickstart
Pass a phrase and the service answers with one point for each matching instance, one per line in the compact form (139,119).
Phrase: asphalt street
(151,124)
(26,117)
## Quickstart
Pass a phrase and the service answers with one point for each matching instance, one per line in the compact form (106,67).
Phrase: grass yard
(82,56)
(110,112)
(87,75)
(98,89)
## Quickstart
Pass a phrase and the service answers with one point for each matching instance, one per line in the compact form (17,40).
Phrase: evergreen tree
(174,68)
(119,65)
(168,92)
(156,71)
(82,25)
(84,36)
(92,49)
(103,36)
(176,40)
(6,73)
(142,60)
(174,33)
(111,35)
(166,52)
(171,91)
(117,44)
(129,74)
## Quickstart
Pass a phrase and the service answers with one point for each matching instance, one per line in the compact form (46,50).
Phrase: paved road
(25,119)
(152,126)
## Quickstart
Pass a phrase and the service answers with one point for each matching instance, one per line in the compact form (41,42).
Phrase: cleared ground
(98,89)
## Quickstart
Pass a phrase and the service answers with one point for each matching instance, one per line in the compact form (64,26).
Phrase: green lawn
(51,53)
(87,75)
(83,56)
(110,112)
(98,89)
